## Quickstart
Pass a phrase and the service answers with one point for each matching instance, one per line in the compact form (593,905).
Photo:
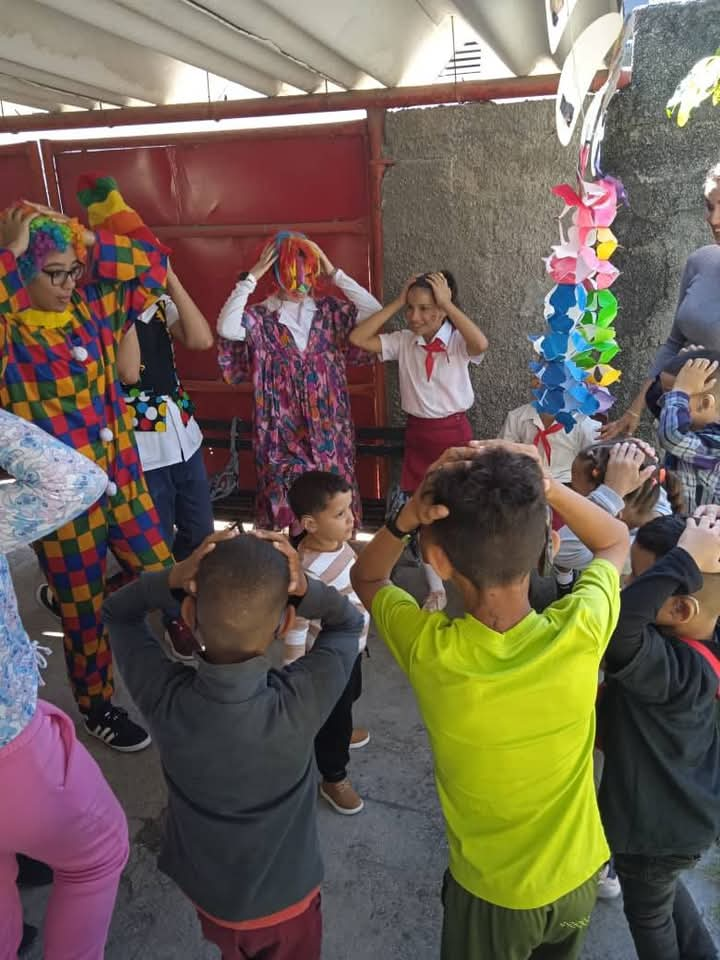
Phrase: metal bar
(388,98)
(176,231)
(377,168)
(219,386)
(346,128)
(47,150)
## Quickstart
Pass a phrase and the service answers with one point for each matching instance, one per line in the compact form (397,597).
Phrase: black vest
(157,359)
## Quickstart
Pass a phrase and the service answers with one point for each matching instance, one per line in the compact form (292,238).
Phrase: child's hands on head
(711,511)
(696,377)
(183,575)
(701,540)
(298,581)
(422,511)
(625,471)
(441,290)
(402,296)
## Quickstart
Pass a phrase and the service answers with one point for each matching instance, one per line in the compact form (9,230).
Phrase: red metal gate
(21,174)
(214,198)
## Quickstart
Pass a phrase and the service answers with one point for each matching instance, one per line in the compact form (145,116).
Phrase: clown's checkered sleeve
(13,295)
(126,277)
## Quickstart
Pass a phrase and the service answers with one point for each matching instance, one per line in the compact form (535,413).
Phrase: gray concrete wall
(470,191)
(663,168)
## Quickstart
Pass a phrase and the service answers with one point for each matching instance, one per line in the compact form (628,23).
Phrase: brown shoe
(359,738)
(341,797)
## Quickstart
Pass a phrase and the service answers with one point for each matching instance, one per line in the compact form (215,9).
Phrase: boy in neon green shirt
(507,695)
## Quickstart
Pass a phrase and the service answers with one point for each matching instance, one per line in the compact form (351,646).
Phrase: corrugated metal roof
(65,55)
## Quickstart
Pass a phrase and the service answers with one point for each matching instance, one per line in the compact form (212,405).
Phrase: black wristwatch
(392,527)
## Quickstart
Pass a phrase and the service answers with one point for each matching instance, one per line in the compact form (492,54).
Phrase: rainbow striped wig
(298,266)
(46,236)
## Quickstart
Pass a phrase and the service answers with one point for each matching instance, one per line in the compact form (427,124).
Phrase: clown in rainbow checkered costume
(58,345)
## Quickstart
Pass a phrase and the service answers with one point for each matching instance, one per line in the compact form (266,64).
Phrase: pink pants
(56,806)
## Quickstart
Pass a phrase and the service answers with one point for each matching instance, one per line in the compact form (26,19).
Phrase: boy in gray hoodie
(236,736)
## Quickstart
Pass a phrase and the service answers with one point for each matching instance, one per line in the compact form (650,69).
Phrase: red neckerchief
(541,437)
(431,350)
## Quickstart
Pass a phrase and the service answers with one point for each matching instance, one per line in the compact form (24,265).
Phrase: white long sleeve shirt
(296,316)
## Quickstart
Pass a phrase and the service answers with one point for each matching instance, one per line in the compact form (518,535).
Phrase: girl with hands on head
(433,354)
(625,479)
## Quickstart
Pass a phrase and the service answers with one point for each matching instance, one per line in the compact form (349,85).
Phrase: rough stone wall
(470,191)
(663,168)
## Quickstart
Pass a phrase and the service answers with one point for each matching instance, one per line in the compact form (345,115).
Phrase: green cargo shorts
(474,929)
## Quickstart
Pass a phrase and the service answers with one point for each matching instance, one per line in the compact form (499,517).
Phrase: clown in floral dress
(295,349)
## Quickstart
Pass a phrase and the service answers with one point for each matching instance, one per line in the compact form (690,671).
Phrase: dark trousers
(182,497)
(296,939)
(332,744)
(664,921)
(474,929)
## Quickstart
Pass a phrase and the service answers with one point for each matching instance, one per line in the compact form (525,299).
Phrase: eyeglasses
(58,278)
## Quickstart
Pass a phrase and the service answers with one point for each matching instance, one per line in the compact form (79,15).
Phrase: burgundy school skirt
(426,440)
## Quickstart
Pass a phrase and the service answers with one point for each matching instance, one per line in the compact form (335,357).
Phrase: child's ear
(287,622)
(707,403)
(681,610)
(554,543)
(309,523)
(188,610)
(437,558)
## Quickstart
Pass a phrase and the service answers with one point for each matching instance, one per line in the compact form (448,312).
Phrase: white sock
(433,580)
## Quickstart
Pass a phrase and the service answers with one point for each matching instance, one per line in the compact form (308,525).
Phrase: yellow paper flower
(603,375)
(606,243)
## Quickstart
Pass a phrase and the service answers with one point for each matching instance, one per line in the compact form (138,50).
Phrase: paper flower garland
(573,367)
(702,82)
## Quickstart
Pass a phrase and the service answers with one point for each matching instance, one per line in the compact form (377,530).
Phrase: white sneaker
(608,883)
(435,600)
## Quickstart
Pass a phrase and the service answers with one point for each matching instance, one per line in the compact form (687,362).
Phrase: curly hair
(497,523)
(297,266)
(46,236)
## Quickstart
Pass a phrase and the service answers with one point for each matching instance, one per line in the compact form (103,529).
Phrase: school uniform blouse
(558,449)
(697,318)
(449,388)
(53,484)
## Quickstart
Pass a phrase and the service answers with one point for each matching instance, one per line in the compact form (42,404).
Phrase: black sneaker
(114,727)
(28,938)
(46,598)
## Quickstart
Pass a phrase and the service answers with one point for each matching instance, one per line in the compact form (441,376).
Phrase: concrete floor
(383,867)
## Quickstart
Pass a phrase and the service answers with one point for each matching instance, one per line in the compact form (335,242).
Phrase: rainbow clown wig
(46,236)
(297,267)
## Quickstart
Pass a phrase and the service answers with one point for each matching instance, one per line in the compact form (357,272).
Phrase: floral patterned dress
(302,418)
(53,484)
